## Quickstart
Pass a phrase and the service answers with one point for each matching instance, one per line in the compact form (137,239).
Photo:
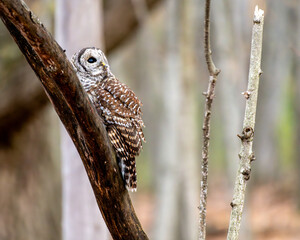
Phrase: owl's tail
(128,170)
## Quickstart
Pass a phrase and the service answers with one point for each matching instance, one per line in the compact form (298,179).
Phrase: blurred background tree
(156,47)
(78,222)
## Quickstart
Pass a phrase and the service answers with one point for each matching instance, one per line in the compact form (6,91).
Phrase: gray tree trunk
(189,141)
(168,155)
(78,25)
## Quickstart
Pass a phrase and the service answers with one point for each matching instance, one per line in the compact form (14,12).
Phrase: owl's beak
(102,64)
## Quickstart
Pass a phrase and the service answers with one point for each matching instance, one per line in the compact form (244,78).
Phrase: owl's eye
(92,60)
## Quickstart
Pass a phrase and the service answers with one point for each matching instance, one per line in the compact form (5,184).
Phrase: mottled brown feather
(117,105)
(121,111)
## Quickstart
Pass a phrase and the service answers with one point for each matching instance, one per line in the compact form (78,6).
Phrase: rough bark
(246,154)
(77,114)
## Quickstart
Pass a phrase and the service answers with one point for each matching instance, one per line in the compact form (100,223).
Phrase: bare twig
(246,155)
(77,114)
(213,72)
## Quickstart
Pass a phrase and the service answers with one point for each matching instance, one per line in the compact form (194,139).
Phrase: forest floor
(271,213)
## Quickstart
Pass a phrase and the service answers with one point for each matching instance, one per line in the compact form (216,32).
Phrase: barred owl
(117,105)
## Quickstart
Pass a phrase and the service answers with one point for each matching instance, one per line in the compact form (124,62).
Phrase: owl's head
(91,62)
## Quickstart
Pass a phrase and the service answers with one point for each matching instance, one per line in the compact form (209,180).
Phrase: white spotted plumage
(117,105)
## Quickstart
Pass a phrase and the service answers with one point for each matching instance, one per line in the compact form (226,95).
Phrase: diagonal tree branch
(77,114)
(246,154)
(213,73)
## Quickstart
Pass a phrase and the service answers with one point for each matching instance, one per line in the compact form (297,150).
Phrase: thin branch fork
(213,72)
(246,154)
(78,115)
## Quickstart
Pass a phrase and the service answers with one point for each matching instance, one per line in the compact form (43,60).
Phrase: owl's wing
(121,116)
(128,132)
(126,96)
(121,112)
(117,142)
(121,106)
(127,160)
